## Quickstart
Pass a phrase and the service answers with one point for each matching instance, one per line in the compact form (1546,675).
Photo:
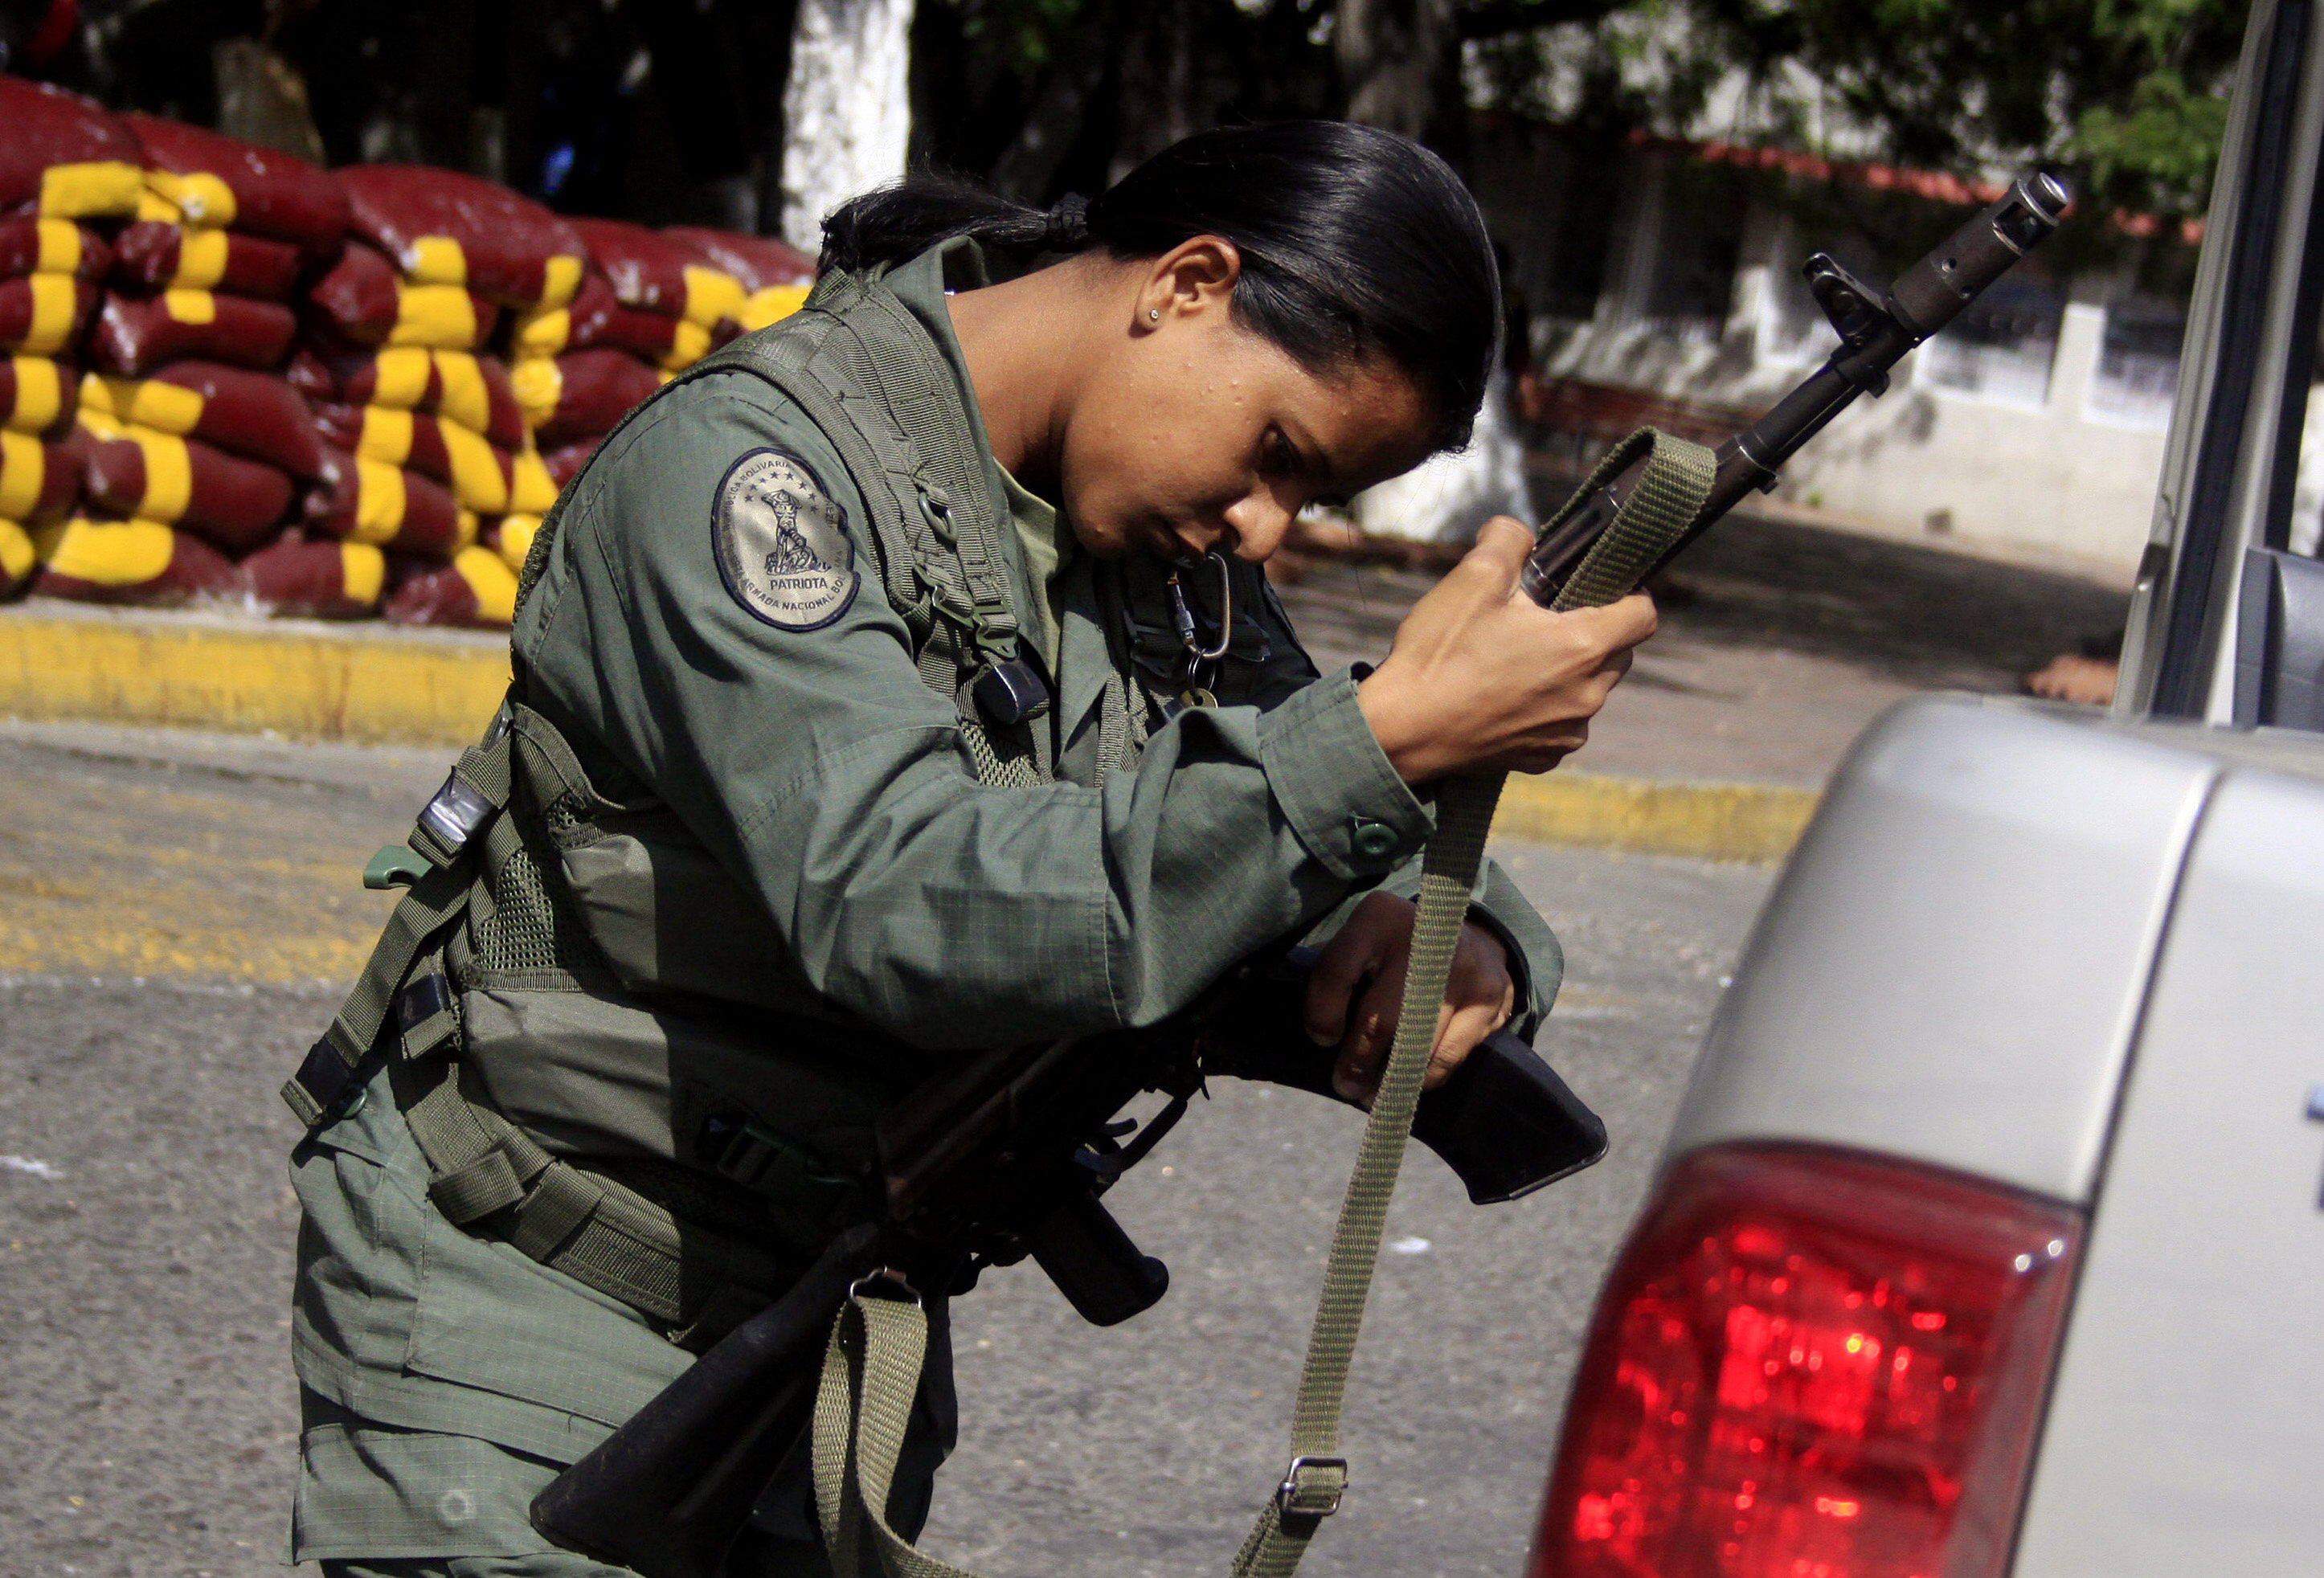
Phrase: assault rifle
(1007,1154)
(1004,1156)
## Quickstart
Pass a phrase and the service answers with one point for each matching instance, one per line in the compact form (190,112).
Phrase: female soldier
(901,680)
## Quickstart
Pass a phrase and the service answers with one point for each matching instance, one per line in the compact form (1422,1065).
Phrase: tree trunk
(1156,62)
(1400,68)
(848,108)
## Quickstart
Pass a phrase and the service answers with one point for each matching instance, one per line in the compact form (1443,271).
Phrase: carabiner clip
(1184,617)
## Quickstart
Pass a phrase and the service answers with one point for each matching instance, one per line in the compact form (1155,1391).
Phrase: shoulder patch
(782,543)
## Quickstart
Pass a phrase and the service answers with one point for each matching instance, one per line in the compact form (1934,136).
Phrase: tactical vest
(652,1125)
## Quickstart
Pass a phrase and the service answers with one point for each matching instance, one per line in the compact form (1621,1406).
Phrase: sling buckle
(885,1282)
(455,812)
(1294,1500)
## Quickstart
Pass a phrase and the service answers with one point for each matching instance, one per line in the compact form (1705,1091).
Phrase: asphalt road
(173,913)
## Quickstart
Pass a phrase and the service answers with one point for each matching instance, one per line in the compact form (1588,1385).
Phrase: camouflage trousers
(446,1379)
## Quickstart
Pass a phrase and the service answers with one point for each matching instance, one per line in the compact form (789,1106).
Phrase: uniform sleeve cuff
(1335,783)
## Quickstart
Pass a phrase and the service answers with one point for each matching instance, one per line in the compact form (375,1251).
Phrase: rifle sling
(871,1367)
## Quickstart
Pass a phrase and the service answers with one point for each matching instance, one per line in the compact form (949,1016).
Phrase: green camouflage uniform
(798,873)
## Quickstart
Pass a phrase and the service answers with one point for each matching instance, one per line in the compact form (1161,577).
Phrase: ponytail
(1356,243)
(895,224)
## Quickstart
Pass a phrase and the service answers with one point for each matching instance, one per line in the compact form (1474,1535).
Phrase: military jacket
(772,870)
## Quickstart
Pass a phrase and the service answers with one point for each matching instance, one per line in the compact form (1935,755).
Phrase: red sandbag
(184,482)
(245,413)
(657,273)
(248,187)
(565,462)
(37,395)
(550,331)
(134,333)
(40,314)
(29,245)
(470,390)
(475,590)
(386,506)
(317,578)
(364,304)
(150,255)
(64,155)
(17,557)
(588,392)
(446,228)
(669,343)
(39,483)
(479,474)
(597,318)
(756,260)
(129,561)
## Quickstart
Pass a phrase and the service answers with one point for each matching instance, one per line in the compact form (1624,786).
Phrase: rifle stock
(667,1494)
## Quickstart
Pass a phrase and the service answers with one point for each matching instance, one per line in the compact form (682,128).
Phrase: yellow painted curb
(1742,822)
(371,685)
(309,681)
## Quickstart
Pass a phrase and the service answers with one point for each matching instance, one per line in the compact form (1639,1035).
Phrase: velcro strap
(321,1083)
(560,1202)
(493,1182)
(428,1013)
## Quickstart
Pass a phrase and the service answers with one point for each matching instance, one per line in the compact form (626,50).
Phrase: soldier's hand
(1482,679)
(1357,991)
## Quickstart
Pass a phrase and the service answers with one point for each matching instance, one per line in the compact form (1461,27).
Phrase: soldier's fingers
(1459,1032)
(1499,552)
(1371,1032)
(1340,972)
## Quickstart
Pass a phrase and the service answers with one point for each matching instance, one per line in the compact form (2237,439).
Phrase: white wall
(2051,479)
(2048,475)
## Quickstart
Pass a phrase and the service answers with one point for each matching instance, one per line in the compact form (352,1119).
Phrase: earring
(1155,313)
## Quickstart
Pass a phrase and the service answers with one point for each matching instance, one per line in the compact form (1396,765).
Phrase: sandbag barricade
(30,244)
(152,256)
(775,276)
(66,157)
(37,395)
(130,561)
(472,390)
(246,413)
(476,589)
(362,303)
(217,182)
(227,372)
(318,577)
(385,505)
(136,473)
(39,481)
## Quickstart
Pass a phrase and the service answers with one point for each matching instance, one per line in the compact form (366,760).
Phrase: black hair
(1355,243)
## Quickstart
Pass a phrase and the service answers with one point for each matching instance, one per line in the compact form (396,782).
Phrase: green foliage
(2127,96)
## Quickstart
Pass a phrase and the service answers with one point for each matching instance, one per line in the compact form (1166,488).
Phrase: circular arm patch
(782,543)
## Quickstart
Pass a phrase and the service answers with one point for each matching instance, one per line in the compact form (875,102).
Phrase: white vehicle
(1990,1241)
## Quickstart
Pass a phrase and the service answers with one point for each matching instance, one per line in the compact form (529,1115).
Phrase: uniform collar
(920,286)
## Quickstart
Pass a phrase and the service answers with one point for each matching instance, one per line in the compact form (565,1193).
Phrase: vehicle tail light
(1811,1363)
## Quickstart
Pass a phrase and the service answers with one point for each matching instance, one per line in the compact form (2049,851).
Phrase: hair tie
(1067,224)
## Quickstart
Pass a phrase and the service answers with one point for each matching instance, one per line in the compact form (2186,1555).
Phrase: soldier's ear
(1195,278)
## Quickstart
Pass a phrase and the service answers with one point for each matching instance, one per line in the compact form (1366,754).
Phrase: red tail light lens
(1811,1363)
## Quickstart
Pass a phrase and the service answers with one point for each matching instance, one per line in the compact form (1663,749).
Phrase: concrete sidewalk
(1779,643)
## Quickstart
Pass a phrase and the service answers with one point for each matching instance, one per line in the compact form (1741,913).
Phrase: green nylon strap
(870,1374)
(429,906)
(871,1368)
(1660,506)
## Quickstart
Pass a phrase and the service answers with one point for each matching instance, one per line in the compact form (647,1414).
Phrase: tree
(2127,97)
(848,110)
